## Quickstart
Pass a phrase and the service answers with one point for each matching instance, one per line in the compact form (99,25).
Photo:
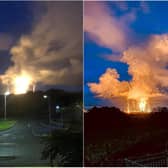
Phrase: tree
(65,143)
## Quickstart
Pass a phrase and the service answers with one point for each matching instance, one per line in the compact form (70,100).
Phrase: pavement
(19,146)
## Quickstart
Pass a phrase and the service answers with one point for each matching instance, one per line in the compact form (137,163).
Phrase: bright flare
(142,105)
(138,106)
(21,84)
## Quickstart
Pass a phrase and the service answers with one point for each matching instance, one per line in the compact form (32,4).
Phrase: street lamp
(49,107)
(57,107)
(5,95)
(45,96)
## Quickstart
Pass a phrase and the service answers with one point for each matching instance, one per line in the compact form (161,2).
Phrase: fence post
(130,163)
(166,154)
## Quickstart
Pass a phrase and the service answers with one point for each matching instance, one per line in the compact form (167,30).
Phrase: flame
(142,105)
(22,84)
(147,88)
(139,105)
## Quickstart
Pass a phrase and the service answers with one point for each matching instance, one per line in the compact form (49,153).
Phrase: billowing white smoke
(103,27)
(52,53)
(148,68)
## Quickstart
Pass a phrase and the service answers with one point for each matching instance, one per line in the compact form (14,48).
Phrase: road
(20,147)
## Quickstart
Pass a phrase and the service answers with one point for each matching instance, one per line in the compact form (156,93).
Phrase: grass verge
(6,124)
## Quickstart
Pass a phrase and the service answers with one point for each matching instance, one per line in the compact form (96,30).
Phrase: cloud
(106,29)
(52,52)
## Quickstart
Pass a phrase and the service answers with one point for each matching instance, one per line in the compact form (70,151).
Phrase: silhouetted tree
(65,143)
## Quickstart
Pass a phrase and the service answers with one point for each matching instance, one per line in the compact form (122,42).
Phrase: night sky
(54,30)
(142,20)
(15,20)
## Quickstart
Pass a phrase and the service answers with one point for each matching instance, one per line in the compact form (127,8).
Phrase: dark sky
(134,22)
(48,40)
(15,20)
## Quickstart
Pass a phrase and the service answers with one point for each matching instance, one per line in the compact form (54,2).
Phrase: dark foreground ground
(33,140)
(23,145)
(113,138)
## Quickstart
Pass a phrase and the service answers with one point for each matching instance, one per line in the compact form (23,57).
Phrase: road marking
(5,135)
(7,144)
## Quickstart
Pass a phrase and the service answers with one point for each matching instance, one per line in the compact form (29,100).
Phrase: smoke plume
(148,66)
(103,27)
(52,53)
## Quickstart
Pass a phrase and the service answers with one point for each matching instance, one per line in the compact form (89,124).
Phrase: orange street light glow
(21,84)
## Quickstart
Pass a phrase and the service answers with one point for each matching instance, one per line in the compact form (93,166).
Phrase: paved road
(20,147)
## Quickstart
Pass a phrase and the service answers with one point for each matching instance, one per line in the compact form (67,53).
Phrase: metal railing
(150,160)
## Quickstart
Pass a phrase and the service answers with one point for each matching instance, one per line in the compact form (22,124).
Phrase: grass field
(6,124)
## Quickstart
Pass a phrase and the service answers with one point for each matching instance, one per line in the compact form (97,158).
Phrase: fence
(150,160)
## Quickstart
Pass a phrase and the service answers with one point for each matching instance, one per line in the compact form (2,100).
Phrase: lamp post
(49,119)
(49,107)
(5,95)
(57,107)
